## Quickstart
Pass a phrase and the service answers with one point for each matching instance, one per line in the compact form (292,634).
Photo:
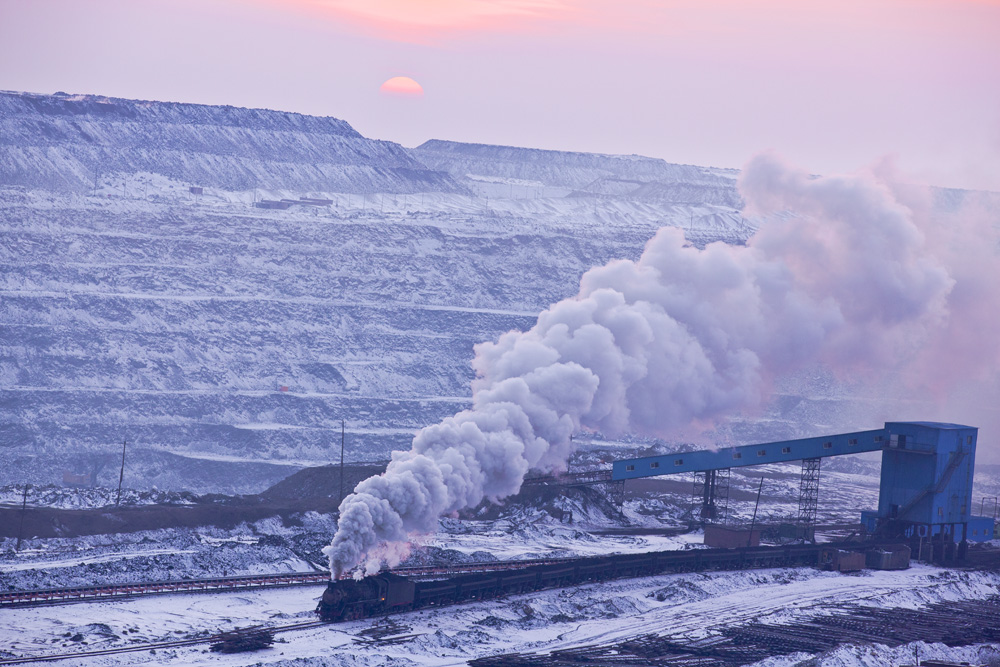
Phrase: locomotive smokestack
(840,274)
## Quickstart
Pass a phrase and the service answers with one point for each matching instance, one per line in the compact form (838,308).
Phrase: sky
(832,86)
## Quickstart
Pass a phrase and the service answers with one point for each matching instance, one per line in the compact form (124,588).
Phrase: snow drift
(841,274)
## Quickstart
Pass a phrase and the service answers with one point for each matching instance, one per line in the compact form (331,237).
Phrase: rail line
(50,596)
(621,566)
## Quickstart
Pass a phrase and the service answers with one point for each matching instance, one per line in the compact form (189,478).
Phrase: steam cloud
(841,274)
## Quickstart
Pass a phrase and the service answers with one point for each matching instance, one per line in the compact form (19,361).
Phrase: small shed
(839,560)
(895,557)
(273,204)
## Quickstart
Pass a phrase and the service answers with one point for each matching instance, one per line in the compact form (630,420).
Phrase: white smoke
(840,275)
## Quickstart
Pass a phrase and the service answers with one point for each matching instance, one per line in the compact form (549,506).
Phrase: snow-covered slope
(134,309)
(584,174)
(173,320)
(563,168)
(70,142)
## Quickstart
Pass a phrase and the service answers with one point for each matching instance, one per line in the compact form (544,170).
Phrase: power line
(121,475)
(24,508)
(341,462)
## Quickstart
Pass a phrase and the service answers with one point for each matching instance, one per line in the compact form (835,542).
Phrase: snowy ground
(264,546)
(681,606)
(62,497)
(554,523)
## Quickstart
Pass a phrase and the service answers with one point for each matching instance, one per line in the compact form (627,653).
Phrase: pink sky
(833,86)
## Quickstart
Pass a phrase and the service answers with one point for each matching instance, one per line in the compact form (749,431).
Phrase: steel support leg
(616,496)
(722,493)
(705,488)
(809,491)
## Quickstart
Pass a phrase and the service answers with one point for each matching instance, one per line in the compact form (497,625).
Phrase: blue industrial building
(926,483)
(925,488)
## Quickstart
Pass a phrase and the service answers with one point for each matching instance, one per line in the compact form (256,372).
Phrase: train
(387,593)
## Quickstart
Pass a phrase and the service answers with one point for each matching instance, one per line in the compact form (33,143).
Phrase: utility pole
(24,508)
(121,475)
(341,462)
(756,505)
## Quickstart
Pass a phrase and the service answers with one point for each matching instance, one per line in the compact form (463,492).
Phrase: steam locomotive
(385,593)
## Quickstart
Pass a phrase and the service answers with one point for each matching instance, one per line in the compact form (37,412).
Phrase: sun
(402,86)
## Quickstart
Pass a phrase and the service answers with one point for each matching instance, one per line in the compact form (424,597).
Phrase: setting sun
(402,86)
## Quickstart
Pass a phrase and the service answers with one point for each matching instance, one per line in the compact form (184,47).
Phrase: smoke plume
(840,274)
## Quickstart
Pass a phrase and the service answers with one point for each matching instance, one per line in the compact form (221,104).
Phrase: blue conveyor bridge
(925,487)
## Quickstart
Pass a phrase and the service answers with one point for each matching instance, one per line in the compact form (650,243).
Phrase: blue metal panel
(927,472)
(750,455)
(981,528)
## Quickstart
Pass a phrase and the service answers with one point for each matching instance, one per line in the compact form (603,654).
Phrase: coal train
(386,593)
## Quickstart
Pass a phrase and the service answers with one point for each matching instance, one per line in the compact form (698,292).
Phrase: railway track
(50,596)
(630,566)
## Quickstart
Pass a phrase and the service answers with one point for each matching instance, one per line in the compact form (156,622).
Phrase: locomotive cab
(347,599)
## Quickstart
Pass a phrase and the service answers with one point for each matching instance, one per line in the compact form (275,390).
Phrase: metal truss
(809,491)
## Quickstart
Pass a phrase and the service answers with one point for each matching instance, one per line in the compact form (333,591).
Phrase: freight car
(386,592)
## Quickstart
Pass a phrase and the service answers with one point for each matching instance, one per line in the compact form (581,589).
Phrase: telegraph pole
(756,505)
(121,475)
(24,508)
(341,462)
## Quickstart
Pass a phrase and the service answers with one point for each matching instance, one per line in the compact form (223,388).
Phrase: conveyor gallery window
(878,438)
(827,445)
(737,455)
(786,450)
(968,439)
(761,452)
(679,462)
(654,464)
(629,468)
(852,441)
